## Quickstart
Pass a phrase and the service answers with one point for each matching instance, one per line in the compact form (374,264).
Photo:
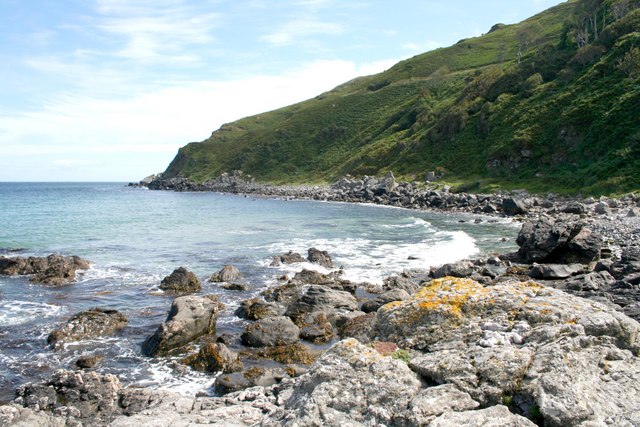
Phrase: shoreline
(576,272)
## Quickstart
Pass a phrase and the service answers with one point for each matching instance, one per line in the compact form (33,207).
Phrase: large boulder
(547,241)
(271,332)
(181,281)
(89,324)
(511,206)
(53,270)
(190,317)
(555,271)
(568,360)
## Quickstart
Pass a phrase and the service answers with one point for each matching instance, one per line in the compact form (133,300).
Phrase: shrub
(403,355)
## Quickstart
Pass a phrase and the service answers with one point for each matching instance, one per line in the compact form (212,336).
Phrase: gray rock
(511,207)
(228,274)
(458,269)
(495,416)
(573,360)
(602,209)
(322,258)
(288,258)
(190,317)
(97,322)
(387,297)
(89,361)
(262,377)
(362,328)
(316,328)
(55,270)
(575,208)
(256,309)
(555,271)
(399,282)
(321,298)
(271,332)
(432,402)
(214,357)
(181,281)
(349,385)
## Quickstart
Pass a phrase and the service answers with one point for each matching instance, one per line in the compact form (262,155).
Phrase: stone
(361,328)
(555,271)
(350,384)
(89,361)
(494,416)
(571,360)
(271,332)
(512,207)
(288,258)
(319,257)
(214,357)
(575,208)
(602,209)
(399,282)
(252,377)
(55,270)
(256,309)
(93,323)
(547,241)
(181,281)
(387,297)
(315,328)
(432,402)
(458,269)
(190,317)
(228,274)
(321,298)
(290,354)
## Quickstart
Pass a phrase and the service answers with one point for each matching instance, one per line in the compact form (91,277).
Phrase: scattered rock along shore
(547,335)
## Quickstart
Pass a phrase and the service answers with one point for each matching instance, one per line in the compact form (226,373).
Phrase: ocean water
(135,237)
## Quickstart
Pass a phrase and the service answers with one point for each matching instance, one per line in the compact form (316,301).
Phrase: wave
(21,312)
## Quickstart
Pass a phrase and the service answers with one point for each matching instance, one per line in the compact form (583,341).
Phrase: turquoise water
(135,237)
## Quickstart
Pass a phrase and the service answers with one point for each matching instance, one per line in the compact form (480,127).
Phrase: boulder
(214,357)
(387,297)
(457,269)
(361,328)
(511,207)
(572,361)
(181,281)
(321,298)
(256,309)
(575,208)
(93,323)
(252,377)
(315,328)
(53,270)
(228,273)
(89,361)
(291,354)
(190,317)
(555,271)
(271,332)
(288,258)
(351,384)
(322,258)
(547,241)
(399,282)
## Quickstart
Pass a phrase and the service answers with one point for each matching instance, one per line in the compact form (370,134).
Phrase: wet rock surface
(94,323)
(54,270)
(180,282)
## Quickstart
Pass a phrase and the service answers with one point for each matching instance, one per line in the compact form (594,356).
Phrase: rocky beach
(546,335)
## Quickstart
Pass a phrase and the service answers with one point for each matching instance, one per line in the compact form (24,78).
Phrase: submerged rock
(89,324)
(181,281)
(190,317)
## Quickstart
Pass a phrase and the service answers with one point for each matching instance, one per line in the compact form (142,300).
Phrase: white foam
(21,312)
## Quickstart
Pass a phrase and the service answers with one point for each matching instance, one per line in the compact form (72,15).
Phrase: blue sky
(108,90)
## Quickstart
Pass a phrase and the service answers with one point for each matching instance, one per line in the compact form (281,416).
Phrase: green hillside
(551,103)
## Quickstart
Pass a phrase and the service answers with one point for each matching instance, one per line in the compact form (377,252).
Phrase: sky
(109,90)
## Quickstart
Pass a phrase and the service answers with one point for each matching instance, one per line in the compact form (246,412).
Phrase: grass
(562,120)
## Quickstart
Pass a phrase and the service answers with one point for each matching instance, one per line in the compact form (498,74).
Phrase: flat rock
(190,317)
(321,298)
(555,271)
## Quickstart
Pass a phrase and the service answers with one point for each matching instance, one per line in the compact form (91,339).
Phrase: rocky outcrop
(570,360)
(55,270)
(321,298)
(256,309)
(89,324)
(288,258)
(190,317)
(181,281)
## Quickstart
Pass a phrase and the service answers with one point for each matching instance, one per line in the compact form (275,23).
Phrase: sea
(134,237)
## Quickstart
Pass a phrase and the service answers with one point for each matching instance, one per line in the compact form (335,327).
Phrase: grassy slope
(553,122)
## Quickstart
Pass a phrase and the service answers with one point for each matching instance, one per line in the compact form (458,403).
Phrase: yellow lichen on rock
(448,294)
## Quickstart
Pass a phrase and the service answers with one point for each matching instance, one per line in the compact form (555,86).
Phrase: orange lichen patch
(391,305)
(385,348)
(448,294)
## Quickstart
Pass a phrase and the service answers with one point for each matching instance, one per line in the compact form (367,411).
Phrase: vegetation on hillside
(549,104)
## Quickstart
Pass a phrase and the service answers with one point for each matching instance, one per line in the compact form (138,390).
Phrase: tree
(526,36)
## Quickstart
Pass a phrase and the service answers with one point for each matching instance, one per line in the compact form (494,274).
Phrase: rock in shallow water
(181,281)
(53,270)
(190,317)
(89,324)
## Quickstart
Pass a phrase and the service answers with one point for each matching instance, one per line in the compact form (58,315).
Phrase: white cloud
(83,128)
(297,30)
